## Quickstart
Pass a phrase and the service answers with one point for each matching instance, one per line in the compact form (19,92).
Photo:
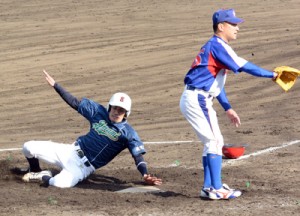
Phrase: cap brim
(235,20)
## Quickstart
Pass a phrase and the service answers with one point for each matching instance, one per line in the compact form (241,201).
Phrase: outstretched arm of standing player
(255,70)
(142,167)
(66,96)
(231,114)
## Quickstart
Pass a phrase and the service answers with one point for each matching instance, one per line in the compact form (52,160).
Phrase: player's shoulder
(90,102)
(127,126)
(129,129)
(214,43)
(217,41)
(88,105)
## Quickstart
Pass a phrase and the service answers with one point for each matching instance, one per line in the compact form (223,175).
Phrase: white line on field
(170,142)
(162,142)
(177,142)
(262,151)
(11,149)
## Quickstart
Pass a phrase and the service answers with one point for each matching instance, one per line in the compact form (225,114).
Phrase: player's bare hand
(234,118)
(49,79)
(151,180)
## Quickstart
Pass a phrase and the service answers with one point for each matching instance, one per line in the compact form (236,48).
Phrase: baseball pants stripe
(197,107)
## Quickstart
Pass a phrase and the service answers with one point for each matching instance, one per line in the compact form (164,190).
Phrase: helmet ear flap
(108,108)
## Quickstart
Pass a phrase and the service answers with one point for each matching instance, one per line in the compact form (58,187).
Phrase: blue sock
(214,162)
(207,179)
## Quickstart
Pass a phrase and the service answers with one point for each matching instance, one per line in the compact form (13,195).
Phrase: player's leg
(46,151)
(214,162)
(194,108)
(197,109)
(64,179)
(213,147)
(75,169)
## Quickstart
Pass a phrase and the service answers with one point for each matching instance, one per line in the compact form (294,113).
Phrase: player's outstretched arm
(142,168)
(65,95)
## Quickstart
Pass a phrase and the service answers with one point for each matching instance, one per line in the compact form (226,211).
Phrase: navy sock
(45,180)
(34,165)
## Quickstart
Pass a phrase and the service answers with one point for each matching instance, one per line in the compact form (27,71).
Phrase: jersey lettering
(102,129)
(197,60)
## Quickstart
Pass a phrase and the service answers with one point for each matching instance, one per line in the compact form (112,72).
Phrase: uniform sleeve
(254,70)
(223,100)
(226,56)
(140,163)
(135,145)
(66,96)
(89,108)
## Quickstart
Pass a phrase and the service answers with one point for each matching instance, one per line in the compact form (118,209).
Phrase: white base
(140,189)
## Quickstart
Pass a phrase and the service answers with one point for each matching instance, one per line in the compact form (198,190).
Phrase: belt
(80,154)
(190,88)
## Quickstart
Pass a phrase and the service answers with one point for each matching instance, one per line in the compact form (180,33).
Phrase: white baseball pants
(62,155)
(197,107)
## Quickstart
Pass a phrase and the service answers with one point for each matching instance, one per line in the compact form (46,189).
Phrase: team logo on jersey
(102,129)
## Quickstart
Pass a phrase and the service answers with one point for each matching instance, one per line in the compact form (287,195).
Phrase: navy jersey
(105,140)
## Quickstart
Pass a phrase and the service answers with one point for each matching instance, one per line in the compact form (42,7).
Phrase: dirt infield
(95,48)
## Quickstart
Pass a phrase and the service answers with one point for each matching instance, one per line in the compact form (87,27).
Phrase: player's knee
(61,185)
(27,148)
(66,182)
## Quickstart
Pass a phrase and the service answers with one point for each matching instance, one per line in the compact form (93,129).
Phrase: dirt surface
(95,48)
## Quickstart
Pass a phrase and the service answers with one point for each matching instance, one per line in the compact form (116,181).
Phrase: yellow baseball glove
(287,77)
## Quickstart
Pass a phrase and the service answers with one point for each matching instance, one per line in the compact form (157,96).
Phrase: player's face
(229,31)
(116,114)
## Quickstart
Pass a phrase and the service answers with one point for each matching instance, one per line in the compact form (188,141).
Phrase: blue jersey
(208,71)
(105,140)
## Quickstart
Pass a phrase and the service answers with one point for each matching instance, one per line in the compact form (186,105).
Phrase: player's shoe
(204,193)
(224,193)
(36,176)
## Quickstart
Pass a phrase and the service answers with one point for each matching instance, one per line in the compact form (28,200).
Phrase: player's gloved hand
(286,76)
(151,180)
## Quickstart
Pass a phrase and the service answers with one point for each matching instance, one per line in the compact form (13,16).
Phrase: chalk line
(11,149)
(264,151)
(171,142)
(274,148)
(151,143)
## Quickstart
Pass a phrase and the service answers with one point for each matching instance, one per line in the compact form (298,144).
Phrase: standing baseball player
(205,81)
(109,135)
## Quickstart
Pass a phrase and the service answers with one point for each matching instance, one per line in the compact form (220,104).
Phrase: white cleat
(36,176)
(204,193)
(224,193)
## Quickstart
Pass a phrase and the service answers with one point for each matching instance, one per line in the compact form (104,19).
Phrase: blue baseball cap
(226,15)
